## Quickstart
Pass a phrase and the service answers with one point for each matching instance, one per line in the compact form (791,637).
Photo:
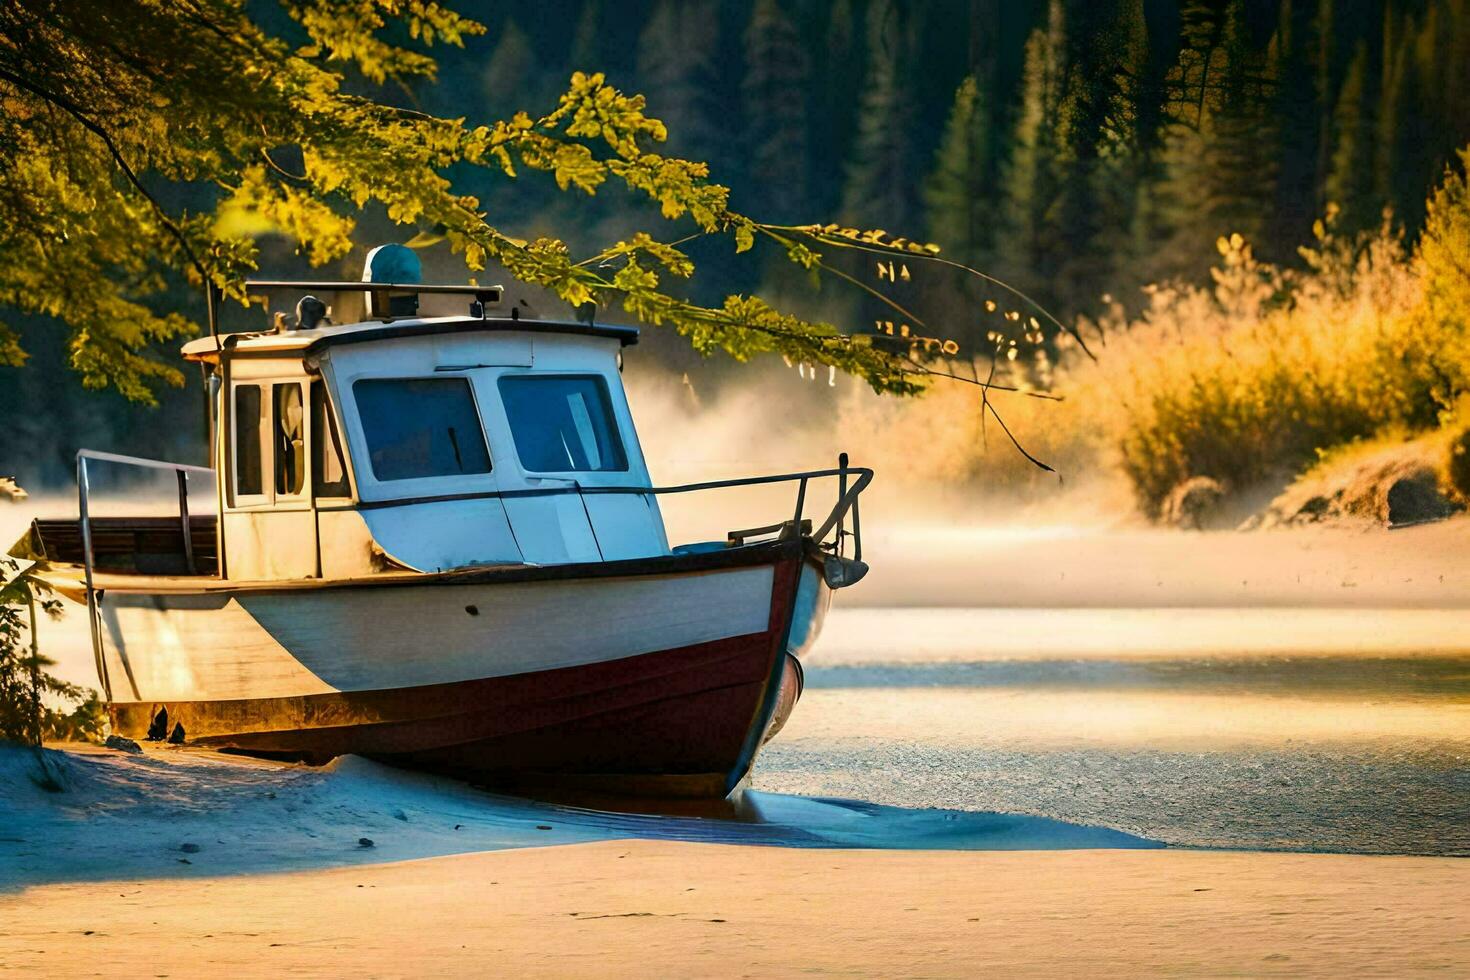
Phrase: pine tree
(1418,161)
(1220,157)
(1132,150)
(775,94)
(510,70)
(1439,120)
(587,41)
(1029,254)
(960,194)
(1325,57)
(1294,118)
(882,180)
(1095,161)
(677,51)
(1350,177)
(837,60)
(1387,151)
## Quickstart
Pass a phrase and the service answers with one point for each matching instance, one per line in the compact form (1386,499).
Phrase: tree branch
(75,111)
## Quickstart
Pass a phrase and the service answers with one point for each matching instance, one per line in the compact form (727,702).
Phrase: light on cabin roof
(393,263)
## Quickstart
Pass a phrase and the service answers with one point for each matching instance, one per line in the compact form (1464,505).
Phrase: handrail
(84,488)
(846,499)
(353,286)
(156,464)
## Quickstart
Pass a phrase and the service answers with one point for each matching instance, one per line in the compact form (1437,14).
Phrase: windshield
(421,427)
(562,423)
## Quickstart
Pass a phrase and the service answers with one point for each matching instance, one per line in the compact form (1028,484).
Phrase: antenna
(211,308)
(211,305)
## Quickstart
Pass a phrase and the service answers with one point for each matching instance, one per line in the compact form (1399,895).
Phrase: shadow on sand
(186,813)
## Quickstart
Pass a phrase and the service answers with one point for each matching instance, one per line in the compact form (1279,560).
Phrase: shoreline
(625,908)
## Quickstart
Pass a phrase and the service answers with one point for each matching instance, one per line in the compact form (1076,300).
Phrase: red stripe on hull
(688,711)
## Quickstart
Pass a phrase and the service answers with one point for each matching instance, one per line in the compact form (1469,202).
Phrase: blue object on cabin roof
(392,263)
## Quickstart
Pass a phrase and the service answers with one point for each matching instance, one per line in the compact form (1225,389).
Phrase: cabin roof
(307,342)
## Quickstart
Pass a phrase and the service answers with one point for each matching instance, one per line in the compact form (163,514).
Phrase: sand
(272,882)
(647,908)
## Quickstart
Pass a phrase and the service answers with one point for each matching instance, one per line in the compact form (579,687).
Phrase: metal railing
(847,497)
(847,501)
(84,490)
(836,519)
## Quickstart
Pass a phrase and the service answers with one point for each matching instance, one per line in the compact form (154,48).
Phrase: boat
(428,536)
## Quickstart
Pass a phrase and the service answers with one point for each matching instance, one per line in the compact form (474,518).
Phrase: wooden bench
(139,545)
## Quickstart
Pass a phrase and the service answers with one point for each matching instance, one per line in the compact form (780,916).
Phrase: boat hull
(614,705)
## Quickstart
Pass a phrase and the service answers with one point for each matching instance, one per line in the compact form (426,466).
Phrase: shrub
(1457,465)
(1246,380)
(25,686)
(1444,262)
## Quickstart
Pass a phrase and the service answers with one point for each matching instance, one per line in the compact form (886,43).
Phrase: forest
(1072,148)
(1088,153)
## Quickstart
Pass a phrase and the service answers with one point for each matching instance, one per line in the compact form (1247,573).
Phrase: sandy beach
(646,908)
(181,863)
(1213,776)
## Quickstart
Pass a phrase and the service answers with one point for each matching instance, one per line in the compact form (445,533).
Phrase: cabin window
(328,473)
(421,427)
(290,439)
(248,479)
(562,424)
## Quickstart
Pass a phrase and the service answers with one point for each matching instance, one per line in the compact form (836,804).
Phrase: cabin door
(269,525)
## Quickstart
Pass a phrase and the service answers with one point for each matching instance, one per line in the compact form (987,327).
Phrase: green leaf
(744,238)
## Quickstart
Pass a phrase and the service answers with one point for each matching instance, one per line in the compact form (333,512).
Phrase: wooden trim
(741,557)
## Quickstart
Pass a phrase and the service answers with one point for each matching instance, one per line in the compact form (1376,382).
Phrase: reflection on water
(1374,678)
(1176,739)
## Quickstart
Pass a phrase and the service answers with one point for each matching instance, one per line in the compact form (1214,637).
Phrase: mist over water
(933,459)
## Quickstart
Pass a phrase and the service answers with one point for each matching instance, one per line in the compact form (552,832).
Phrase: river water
(1135,720)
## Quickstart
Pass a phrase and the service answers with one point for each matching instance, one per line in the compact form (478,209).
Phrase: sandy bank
(197,814)
(667,908)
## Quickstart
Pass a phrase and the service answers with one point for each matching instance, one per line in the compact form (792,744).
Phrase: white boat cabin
(424,443)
